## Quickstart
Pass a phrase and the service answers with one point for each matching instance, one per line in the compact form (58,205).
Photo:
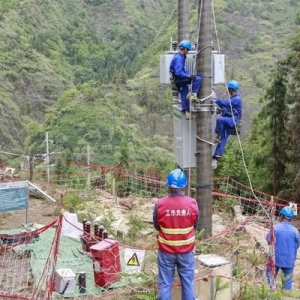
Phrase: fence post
(271,259)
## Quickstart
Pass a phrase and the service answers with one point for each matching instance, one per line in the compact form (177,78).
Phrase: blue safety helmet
(287,212)
(185,44)
(233,84)
(176,179)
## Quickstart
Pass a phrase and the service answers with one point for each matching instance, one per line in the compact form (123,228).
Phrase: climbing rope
(235,125)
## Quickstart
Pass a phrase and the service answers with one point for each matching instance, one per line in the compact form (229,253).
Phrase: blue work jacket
(225,104)
(177,66)
(286,244)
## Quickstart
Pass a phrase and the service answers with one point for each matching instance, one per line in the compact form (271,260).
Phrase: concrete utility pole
(183,20)
(183,28)
(204,119)
(88,168)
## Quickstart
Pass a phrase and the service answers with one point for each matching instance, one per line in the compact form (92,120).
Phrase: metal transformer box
(184,139)
(185,132)
(217,61)
(106,262)
(165,61)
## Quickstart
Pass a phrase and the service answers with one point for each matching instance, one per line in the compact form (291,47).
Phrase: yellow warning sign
(133,261)
(9,171)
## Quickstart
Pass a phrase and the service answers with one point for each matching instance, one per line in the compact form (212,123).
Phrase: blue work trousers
(287,282)
(185,264)
(223,128)
(183,84)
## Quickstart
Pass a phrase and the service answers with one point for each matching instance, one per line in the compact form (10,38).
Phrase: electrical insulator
(96,228)
(88,226)
(100,232)
(84,224)
(174,46)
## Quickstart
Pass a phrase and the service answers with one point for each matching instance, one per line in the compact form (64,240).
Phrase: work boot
(194,97)
(216,157)
(187,115)
(217,139)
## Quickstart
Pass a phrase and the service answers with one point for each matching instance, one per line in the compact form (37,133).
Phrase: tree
(293,99)
(276,112)
(267,146)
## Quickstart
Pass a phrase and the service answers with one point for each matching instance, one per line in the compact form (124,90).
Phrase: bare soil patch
(40,211)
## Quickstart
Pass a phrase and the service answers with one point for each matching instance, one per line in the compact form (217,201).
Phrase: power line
(15,154)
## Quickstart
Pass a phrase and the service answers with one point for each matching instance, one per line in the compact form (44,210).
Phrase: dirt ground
(40,211)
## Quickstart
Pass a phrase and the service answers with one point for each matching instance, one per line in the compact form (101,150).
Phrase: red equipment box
(106,262)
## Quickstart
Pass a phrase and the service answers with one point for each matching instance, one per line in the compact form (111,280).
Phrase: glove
(192,77)
(214,95)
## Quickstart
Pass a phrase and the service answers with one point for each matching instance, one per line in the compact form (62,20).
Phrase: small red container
(106,262)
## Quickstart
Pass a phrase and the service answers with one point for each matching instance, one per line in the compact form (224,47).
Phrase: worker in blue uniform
(183,78)
(231,113)
(287,242)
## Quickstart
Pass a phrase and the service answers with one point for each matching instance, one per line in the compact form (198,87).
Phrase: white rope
(231,108)
(203,99)
(205,141)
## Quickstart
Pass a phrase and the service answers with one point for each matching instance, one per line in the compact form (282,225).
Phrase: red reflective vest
(176,217)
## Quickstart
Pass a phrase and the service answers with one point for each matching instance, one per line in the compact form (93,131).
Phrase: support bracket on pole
(204,75)
(200,108)
(204,186)
(204,107)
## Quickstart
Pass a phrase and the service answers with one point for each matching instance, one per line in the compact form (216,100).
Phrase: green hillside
(48,47)
(87,71)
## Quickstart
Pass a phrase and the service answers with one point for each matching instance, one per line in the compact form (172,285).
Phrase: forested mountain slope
(87,71)
(50,46)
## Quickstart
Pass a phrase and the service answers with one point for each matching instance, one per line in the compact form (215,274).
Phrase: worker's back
(286,244)
(177,216)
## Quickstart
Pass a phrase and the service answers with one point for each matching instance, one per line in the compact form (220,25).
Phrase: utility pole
(88,168)
(204,182)
(47,157)
(183,7)
(183,20)
(31,162)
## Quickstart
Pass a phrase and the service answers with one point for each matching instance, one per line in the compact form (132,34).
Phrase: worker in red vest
(176,218)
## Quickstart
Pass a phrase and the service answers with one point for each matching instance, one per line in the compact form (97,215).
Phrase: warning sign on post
(293,206)
(134,259)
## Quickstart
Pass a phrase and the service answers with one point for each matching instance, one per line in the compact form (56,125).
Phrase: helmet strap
(231,91)
(184,50)
(174,191)
(282,217)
